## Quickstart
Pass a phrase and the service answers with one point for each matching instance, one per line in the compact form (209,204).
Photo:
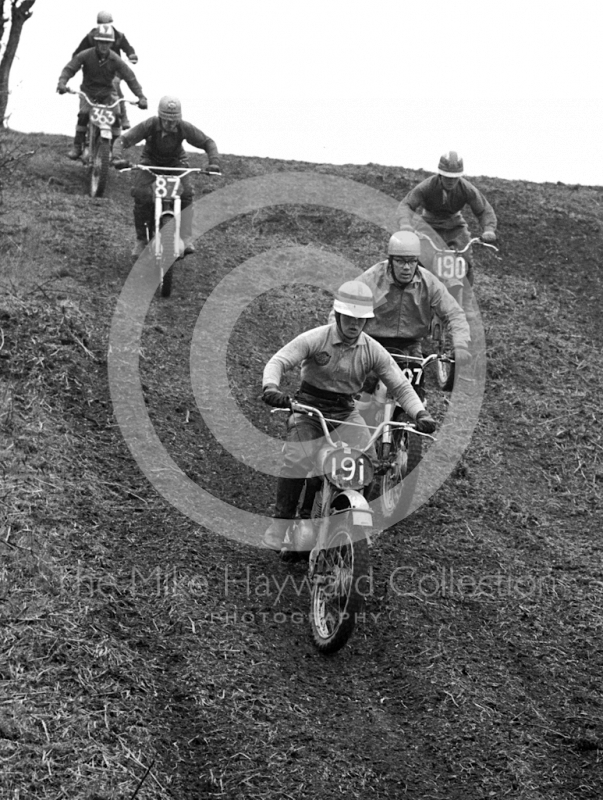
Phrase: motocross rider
(405,296)
(100,66)
(442,198)
(121,44)
(335,360)
(164,135)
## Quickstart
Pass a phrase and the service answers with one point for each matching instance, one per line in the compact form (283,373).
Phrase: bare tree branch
(20,12)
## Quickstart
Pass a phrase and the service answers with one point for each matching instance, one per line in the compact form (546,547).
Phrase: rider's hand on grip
(425,423)
(273,396)
(133,59)
(121,163)
(462,357)
(214,168)
(489,237)
(143,102)
(62,89)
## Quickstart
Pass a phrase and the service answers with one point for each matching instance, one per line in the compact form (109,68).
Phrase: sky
(515,87)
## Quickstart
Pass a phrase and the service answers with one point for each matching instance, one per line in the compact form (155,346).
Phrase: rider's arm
(482,209)
(70,69)
(446,307)
(126,74)
(136,134)
(197,138)
(124,44)
(288,357)
(414,200)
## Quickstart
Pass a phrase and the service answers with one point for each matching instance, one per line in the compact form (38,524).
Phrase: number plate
(349,469)
(167,186)
(449,264)
(102,116)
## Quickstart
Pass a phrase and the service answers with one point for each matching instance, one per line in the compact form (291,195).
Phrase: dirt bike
(164,229)
(337,544)
(99,136)
(399,450)
(451,268)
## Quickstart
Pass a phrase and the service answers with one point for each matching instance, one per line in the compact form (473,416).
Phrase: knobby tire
(337,602)
(444,369)
(167,232)
(99,165)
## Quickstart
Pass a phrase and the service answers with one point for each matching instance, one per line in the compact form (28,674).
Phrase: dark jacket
(98,75)
(164,149)
(120,44)
(442,208)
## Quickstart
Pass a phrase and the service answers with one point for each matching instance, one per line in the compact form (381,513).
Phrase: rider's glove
(214,168)
(120,163)
(62,88)
(425,423)
(488,237)
(462,357)
(273,396)
(133,59)
(143,102)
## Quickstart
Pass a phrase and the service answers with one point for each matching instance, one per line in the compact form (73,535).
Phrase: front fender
(350,500)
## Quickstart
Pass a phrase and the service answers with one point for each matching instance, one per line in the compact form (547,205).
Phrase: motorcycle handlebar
(300,408)
(104,105)
(474,240)
(180,171)
(423,362)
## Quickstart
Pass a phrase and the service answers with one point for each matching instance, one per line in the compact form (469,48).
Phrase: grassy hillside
(145,656)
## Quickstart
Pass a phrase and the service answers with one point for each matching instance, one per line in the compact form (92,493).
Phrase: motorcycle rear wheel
(337,596)
(100,157)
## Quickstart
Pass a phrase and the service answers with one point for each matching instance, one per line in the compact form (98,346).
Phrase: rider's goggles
(405,259)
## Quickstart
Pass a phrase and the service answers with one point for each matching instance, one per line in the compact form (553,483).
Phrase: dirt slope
(137,646)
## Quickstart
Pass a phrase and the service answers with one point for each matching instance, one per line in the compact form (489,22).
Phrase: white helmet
(354,299)
(104,33)
(404,243)
(451,165)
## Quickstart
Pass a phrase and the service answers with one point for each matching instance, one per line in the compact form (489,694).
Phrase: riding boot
(186,229)
(288,491)
(125,122)
(77,147)
(140,224)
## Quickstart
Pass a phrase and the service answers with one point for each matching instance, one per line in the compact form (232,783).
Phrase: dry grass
(143,657)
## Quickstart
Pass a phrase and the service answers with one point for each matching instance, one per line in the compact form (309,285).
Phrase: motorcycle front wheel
(339,586)
(166,261)
(100,157)
(400,480)
(445,347)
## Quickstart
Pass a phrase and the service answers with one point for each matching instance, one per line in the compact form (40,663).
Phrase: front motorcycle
(99,136)
(164,227)
(336,539)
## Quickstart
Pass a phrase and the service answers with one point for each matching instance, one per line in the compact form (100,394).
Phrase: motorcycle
(451,268)
(99,136)
(163,230)
(399,450)
(337,541)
